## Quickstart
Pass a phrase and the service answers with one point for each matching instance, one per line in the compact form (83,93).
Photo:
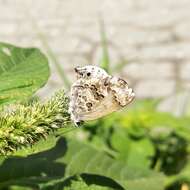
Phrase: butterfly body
(96,94)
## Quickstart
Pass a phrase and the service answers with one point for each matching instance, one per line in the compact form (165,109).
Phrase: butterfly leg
(77,121)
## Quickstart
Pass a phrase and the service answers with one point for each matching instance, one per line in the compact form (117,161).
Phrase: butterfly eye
(88,74)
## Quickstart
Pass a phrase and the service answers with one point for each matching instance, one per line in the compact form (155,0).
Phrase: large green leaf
(136,153)
(54,162)
(22,72)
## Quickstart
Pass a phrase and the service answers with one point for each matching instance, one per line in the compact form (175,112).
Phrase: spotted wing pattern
(95,97)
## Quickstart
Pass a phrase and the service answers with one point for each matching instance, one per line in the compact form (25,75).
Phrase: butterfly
(96,94)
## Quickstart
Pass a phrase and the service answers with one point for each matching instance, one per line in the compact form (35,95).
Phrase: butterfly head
(89,72)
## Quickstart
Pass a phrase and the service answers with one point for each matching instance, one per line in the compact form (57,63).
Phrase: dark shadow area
(40,168)
(89,179)
(16,87)
(172,152)
(101,180)
(36,168)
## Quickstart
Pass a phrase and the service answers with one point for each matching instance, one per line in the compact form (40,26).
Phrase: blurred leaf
(20,188)
(144,105)
(65,158)
(137,153)
(120,143)
(140,153)
(22,72)
(152,118)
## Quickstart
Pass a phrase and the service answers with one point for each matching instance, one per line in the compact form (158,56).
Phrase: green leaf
(149,119)
(137,153)
(22,72)
(66,158)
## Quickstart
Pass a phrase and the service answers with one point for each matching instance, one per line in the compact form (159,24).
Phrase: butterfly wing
(90,101)
(83,100)
(117,94)
(104,107)
(95,98)
(121,91)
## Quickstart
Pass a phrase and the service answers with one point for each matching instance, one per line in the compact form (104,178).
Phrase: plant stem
(105,61)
